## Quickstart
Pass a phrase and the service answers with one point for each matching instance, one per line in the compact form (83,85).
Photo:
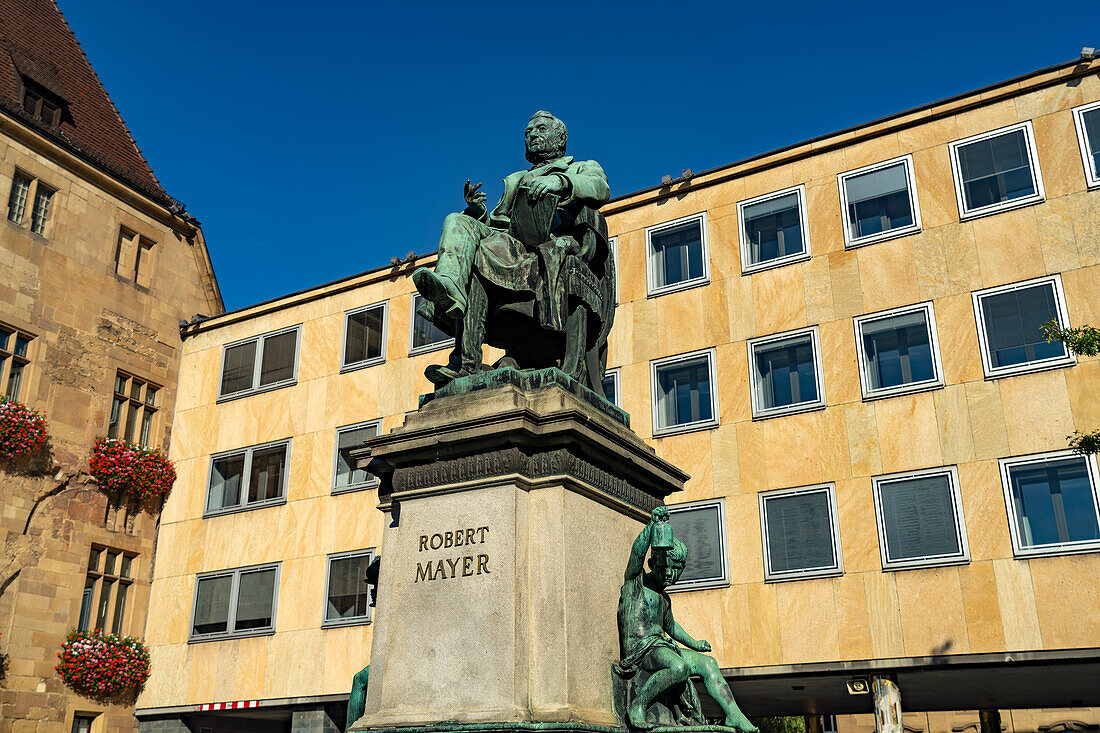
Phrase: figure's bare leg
(706,667)
(667,669)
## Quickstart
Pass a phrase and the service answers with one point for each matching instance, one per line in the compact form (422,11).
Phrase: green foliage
(1083,341)
(1087,444)
(788,724)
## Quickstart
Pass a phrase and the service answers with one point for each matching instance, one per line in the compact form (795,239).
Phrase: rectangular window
(677,255)
(423,334)
(347,596)
(773,229)
(106,588)
(1010,320)
(879,202)
(14,347)
(237,602)
(364,336)
(612,386)
(248,478)
(346,477)
(898,351)
(17,199)
(260,363)
(1052,501)
(83,723)
(613,243)
(920,519)
(785,373)
(801,536)
(701,526)
(1087,119)
(996,171)
(684,393)
(40,212)
(133,407)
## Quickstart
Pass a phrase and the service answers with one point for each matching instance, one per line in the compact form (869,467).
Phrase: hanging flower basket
(103,666)
(125,468)
(22,430)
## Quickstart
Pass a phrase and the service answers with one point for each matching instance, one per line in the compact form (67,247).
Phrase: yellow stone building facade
(813,334)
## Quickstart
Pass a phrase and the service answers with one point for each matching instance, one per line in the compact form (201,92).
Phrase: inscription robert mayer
(463,565)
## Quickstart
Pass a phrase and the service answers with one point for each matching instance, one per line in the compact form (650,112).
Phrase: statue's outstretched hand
(475,199)
(701,646)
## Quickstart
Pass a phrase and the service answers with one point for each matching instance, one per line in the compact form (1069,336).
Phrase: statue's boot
(442,374)
(442,291)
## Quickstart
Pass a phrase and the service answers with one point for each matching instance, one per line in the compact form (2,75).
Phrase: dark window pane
(255,599)
(277,364)
(120,384)
(131,419)
(135,389)
(226,475)
(773,228)
(995,169)
(347,588)
(146,426)
(86,601)
(127,562)
(267,475)
(699,530)
(109,563)
(117,406)
(898,351)
(105,589)
(346,472)
(786,373)
(424,332)
(120,608)
(15,380)
(878,201)
(237,367)
(684,393)
(21,346)
(150,396)
(609,388)
(918,516)
(364,335)
(678,253)
(1013,323)
(4,337)
(93,558)
(1091,121)
(41,209)
(17,200)
(212,605)
(800,532)
(82,724)
(1054,502)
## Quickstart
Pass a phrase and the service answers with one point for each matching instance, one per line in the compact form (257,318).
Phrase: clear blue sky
(315,140)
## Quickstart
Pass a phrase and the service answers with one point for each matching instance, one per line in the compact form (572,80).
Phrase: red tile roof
(37,43)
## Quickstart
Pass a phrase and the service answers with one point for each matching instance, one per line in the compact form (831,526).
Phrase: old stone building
(838,340)
(98,264)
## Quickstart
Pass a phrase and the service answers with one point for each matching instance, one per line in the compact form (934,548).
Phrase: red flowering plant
(22,430)
(103,666)
(127,468)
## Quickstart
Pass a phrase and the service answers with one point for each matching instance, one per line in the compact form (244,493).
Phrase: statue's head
(545,137)
(668,565)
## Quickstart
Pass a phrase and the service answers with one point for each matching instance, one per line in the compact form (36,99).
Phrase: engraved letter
(458,538)
(423,542)
(436,545)
(483,530)
(452,563)
(466,563)
(482,562)
(423,572)
(439,571)
(448,539)
(470,536)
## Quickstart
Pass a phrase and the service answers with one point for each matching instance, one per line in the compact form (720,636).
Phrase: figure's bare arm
(636,566)
(677,632)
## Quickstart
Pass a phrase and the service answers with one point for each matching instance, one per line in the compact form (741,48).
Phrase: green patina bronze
(534,276)
(656,670)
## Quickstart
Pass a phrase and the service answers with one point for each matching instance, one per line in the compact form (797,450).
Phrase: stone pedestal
(513,508)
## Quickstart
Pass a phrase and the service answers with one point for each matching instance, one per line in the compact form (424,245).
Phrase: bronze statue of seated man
(518,252)
(649,634)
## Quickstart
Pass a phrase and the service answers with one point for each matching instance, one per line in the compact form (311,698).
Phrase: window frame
(723,546)
(616,374)
(747,266)
(118,580)
(652,289)
(992,372)
(851,242)
(1033,159)
(32,224)
(961,558)
(373,361)
(613,246)
(369,553)
(873,393)
(1019,550)
(8,359)
(258,363)
(655,365)
(18,174)
(1092,177)
(424,348)
(140,405)
(837,569)
(246,471)
(234,595)
(370,483)
(763,413)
